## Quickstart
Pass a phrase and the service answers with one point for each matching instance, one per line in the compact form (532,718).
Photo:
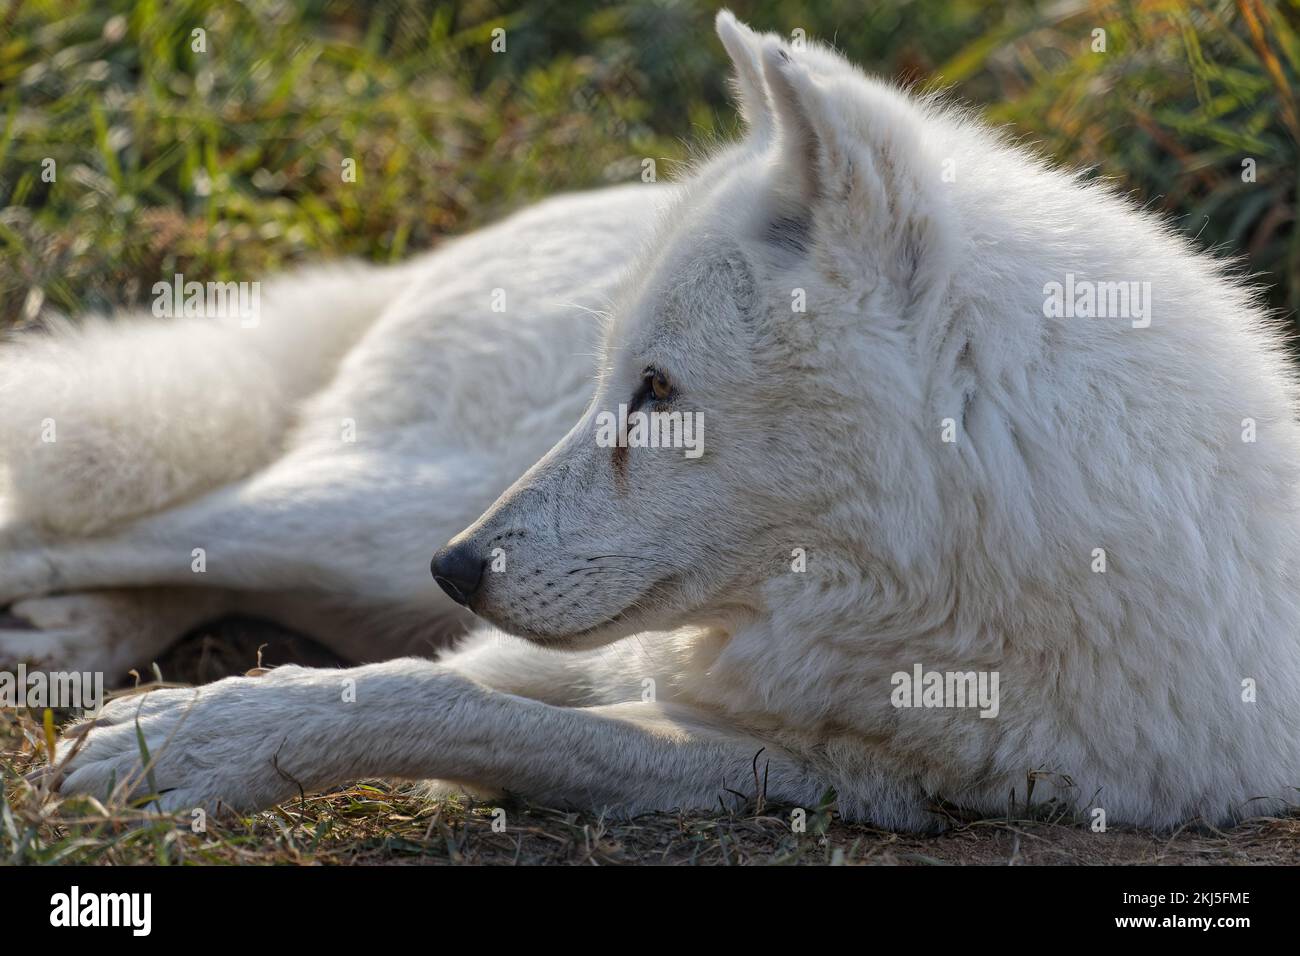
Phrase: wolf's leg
(351,526)
(105,631)
(335,546)
(603,675)
(251,742)
(112,631)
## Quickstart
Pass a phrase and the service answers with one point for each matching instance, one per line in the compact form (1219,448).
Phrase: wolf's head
(759,407)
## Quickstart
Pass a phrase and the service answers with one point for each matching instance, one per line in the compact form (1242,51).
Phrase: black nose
(458,569)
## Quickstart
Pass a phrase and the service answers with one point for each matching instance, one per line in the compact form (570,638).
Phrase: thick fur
(668,640)
(147,413)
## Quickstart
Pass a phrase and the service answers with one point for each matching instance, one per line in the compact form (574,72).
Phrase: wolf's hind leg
(333,546)
(355,527)
(106,631)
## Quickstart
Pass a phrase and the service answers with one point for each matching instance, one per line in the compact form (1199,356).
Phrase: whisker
(629,557)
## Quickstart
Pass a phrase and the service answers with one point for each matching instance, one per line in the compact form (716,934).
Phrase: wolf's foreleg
(249,743)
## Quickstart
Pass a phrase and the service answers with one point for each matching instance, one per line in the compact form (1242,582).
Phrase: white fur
(149,413)
(1120,690)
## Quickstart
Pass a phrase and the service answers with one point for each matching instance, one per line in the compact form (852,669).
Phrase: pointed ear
(851,160)
(744,46)
(798,117)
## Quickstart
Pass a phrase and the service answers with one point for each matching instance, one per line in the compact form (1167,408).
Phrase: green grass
(227,164)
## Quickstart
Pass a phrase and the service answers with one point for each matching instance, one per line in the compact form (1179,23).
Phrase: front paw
(231,745)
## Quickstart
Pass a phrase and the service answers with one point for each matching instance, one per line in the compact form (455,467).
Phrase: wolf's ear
(852,159)
(808,144)
(744,46)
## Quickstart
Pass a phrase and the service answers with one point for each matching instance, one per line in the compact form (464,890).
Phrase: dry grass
(376,822)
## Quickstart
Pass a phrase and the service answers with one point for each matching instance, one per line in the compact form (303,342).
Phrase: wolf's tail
(103,420)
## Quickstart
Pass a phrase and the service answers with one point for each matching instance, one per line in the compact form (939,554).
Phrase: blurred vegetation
(227,163)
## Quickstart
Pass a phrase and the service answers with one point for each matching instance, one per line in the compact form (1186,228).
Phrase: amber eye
(659,386)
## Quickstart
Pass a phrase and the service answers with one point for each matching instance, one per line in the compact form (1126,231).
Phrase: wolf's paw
(23,573)
(220,746)
(91,631)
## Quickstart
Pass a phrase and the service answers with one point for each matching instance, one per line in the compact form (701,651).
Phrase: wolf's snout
(458,569)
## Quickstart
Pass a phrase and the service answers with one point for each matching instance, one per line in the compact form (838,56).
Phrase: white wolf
(908,468)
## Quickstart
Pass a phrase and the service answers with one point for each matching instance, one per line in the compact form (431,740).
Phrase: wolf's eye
(656,383)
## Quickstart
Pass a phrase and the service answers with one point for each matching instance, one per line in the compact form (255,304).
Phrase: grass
(373,822)
(227,163)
